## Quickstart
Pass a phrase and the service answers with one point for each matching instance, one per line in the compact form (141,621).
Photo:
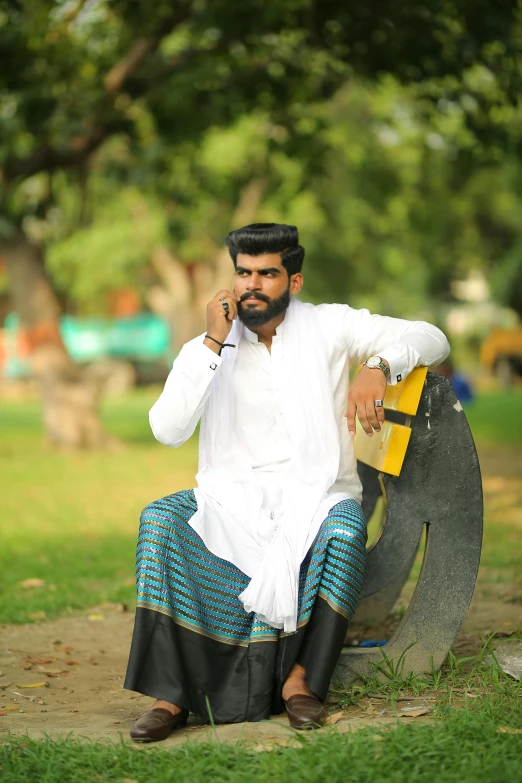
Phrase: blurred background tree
(135,136)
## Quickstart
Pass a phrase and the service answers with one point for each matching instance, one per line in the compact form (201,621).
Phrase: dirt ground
(66,675)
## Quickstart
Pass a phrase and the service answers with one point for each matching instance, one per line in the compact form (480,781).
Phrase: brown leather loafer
(305,712)
(157,724)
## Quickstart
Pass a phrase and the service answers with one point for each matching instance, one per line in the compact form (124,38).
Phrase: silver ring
(226,306)
(379,403)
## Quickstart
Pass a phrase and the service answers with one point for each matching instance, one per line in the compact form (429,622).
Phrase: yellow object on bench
(386,449)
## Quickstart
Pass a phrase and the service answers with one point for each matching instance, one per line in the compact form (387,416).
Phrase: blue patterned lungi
(195,646)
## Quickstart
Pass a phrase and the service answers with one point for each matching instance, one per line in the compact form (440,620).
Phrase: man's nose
(254,284)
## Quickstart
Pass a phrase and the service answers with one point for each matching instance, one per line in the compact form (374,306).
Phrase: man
(246,584)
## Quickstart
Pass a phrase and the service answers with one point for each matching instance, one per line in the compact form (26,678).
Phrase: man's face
(263,285)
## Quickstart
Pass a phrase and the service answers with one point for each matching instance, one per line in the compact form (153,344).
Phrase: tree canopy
(381,129)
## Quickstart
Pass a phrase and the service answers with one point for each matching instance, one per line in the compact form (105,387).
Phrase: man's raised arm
(173,418)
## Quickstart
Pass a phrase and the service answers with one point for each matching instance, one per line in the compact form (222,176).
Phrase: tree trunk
(182,297)
(69,401)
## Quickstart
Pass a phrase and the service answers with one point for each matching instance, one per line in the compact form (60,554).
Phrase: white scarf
(229,518)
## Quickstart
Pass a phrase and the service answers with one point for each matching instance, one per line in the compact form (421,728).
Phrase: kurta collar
(252,336)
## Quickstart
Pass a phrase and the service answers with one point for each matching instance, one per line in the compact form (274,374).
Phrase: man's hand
(219,322)
(370,385)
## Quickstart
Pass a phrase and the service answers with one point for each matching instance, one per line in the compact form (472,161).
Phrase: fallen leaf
(28,584)
(73,710)
(23,696)
(10,709)
(50,672)
(27,667)
(39,660)
(34,685)
(130,780)
(36,615)
(508,730)
(333,719)
(2,713)
(384,697)
(415,713)
(67,649)
(418,707)
(507,633)
(93,617)
(71,663)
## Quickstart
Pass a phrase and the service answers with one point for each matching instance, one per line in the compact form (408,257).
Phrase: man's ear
(296,283)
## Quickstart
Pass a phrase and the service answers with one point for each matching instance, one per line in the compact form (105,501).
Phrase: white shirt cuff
(402,359)
(204,366)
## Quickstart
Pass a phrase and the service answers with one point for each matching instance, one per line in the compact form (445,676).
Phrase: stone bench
(425,466)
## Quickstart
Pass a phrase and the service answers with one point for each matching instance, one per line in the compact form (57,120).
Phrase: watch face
(373,361)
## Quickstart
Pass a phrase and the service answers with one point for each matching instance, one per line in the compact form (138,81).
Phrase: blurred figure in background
(461,385)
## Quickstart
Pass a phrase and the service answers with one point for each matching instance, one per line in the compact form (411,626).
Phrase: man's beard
(260,316)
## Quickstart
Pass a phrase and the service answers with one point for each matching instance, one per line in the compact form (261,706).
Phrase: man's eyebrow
(267,269)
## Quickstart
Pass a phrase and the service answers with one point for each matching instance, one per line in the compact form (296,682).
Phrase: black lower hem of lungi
(230,683)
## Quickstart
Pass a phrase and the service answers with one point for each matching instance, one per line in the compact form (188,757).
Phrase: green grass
(71,519)
(464,746)
(469,675)
(496,417)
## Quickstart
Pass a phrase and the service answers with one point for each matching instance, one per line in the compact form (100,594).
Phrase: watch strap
(381,366)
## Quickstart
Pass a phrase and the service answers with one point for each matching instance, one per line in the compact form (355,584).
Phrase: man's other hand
(369,385)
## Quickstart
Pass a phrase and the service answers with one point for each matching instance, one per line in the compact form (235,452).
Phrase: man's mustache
(252,296)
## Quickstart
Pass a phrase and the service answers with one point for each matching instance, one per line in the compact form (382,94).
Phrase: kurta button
(213,366)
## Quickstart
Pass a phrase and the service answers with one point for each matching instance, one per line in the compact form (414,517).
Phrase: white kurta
(352,336)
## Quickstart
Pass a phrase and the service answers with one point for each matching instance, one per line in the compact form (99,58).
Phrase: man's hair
(259,238)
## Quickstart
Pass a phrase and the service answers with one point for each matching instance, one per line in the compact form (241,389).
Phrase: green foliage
(110,251)
(176,108)
(389,212)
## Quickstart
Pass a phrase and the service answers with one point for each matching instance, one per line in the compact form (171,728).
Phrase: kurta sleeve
(404,344)
(173,418)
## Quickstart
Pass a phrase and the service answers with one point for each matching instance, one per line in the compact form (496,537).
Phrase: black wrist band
(212,338)
(223,345)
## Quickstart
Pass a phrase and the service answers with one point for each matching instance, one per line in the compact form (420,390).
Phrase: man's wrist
(212,345)
(378,363)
